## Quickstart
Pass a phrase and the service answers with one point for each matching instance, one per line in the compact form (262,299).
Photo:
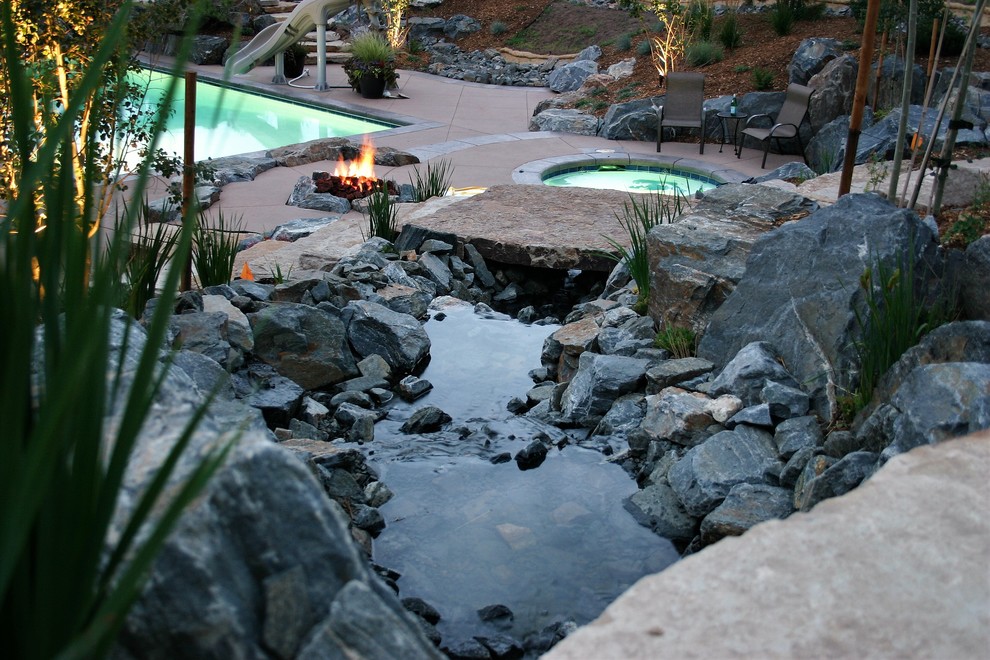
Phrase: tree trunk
(859,99)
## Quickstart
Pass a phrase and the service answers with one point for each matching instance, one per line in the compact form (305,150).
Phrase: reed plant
(701,53)
(66,582)
(434,182)
(382,211)
(729,32)
(894,319)
(782,18)
(215,244)
(147,249)
(639,215)
(679,342)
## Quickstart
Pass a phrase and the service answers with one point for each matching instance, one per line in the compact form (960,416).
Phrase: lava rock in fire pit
(351,187)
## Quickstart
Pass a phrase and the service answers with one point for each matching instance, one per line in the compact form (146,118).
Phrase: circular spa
(626,173)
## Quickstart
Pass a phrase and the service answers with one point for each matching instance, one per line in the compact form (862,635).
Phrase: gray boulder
(205,372)
(571,76)
(424,27)
(262,563)
(427,419)
(839,478)
(696,262)
(460,26)
(674,372)
(677,416)
(746,506)
(600,379)
(658,508)
(591,53)
(887,94)
(438,272)
(399,338)
(205,332)
(303,343)
(749,372)
(792,170)
(796,434)
(808,308)
(975,287)
(304,195)
(938,402)
(706,474)
(240,168)
(834,86)
(207,49)
(566,120)
(811,57)
(277,397)
(633,120)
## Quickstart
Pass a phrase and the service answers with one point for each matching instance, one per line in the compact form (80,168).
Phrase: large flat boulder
(896,568)
(547,227)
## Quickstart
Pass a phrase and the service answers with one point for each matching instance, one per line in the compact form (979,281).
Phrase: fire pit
(354,179)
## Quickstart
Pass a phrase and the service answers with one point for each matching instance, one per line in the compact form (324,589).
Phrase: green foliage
(641,214)
(643,48)
(762,78)
(214,249)
(827,160)
(435,182)
(701,53)
(415,47)
(700,18)
(624,42)
(278,276)
(877,170)
(382,212)
(498,28)
(729,32)
(371,55)
(895,318)
(952,44)
(782,18)
(587,31)
(742,68)
(66,584)
(151,246)
(894,13)
(627,92)
(679,342)
(973,222)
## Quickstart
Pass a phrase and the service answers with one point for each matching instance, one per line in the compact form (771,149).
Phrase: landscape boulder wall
(696,262)
(262,564)
(802,286)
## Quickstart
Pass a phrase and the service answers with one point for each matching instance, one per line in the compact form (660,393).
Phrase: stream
(552,544)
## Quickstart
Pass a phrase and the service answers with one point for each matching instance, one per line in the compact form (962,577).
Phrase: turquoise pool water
(631,178)
(230,121)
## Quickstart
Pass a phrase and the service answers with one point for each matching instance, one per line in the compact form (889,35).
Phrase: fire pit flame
(353,179)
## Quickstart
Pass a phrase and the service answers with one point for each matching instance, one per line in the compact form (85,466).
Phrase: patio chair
(787,124)
(683,105)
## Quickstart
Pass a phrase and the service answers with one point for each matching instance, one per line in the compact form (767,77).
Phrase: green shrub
(782,18)
(762,78)
(498,28)
(643,48)
(371,47)
(742,68)
(701,53)
(729,33)
(66,583)
(382,212)
(624,42)
(641,214)
(215,248)
(435,182)
(679,342)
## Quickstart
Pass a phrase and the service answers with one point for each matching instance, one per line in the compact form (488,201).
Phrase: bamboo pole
(905,101)
(189,166)
(876,81)
(859,99)
(931,46)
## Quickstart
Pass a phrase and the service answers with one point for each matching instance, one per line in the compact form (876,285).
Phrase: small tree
(668,45)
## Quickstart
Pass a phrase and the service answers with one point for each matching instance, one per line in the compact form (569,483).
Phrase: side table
(731,122)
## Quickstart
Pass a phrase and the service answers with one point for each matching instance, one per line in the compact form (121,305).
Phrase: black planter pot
(372,87)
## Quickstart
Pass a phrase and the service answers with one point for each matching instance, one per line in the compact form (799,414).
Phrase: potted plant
(295,60)
(371,69)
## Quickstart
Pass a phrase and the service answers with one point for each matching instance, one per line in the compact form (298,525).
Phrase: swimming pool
(230,121)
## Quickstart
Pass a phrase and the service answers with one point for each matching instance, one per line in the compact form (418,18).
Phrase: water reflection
(552,543)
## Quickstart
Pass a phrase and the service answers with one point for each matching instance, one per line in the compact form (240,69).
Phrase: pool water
(230,121)
(632,179)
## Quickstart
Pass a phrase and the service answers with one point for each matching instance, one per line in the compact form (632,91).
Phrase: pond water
(552,543)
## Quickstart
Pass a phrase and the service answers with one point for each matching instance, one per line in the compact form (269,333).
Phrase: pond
(552,543)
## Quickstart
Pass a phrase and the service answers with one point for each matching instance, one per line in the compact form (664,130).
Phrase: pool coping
(531,173)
